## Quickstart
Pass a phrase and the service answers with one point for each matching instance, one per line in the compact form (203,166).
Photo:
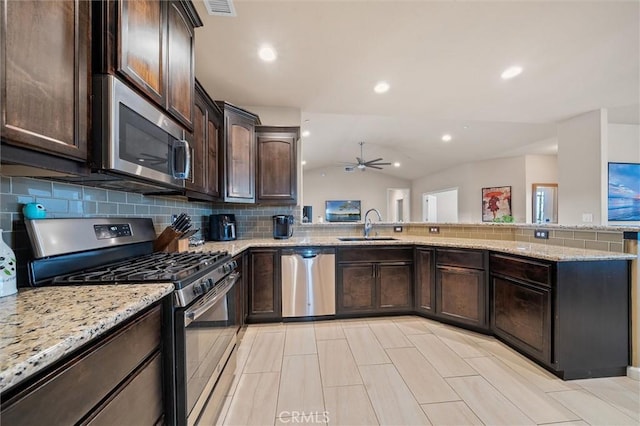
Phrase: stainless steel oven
(206,335)
(132,138)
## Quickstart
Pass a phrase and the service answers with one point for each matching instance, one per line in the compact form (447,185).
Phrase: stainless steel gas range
(203,321)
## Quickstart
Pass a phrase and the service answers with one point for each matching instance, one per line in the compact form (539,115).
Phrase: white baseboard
(633,372)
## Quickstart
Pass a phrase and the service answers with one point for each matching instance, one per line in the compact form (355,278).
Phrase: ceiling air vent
(220,7)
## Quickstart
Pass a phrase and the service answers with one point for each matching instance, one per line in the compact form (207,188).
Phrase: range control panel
(104,232)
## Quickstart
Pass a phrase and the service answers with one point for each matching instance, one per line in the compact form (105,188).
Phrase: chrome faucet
(368,226)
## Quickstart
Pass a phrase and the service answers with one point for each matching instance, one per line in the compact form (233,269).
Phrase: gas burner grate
(148,268)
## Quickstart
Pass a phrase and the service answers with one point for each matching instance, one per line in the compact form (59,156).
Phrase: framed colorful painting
(496,204)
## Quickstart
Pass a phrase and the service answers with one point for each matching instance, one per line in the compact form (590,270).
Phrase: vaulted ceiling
(442,60)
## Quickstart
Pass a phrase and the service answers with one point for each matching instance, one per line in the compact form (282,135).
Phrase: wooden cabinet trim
(465,258)
(526,269)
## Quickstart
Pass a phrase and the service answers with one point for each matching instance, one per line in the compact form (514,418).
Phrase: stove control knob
(197,289)
(209,283)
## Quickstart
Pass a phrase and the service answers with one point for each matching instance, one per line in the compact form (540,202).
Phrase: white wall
(447,206)
(582,157)
(538,169)
(369,186)
(470,178)
(624,143)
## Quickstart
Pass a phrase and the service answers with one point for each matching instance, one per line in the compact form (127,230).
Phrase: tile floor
(408,371)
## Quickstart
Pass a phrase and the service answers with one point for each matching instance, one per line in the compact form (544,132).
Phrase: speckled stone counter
(40,326)
(536,251)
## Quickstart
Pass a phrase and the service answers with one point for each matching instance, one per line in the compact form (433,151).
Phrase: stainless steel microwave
(133,140)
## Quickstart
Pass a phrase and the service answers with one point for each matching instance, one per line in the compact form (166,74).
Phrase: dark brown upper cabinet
(277,171)
(239,154)
(150,44)
(204,181)
(45,54)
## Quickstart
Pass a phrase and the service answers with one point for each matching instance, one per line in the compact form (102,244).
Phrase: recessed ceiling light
(396,164)
(267,53)
(446,137)
(304,162)
(511,72)
(381,87)
(306,133)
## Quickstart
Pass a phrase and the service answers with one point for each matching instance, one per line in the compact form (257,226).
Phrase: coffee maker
(222,227)
(282,226)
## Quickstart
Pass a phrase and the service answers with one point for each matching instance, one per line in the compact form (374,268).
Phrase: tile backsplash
(67,200)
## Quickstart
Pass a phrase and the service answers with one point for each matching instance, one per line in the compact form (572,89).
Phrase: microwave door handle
(183,172)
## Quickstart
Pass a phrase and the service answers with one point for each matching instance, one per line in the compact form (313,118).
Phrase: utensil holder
(167,240)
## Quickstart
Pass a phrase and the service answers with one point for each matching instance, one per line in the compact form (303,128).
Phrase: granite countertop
(42,325)
(533,250)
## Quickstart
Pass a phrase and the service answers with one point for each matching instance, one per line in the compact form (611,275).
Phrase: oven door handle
(193,314)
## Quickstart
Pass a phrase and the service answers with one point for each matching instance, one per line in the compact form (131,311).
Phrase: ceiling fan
(362,164)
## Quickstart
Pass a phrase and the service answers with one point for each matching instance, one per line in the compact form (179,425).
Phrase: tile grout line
(366,391)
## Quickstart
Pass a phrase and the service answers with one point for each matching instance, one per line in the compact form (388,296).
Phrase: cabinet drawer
(461,258)
(70,391)
(376,254)
(139,402)
(524,269)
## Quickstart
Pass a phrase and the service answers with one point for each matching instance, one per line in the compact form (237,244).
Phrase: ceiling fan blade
(374,167)
(373,161)
(360,161)
(377,164)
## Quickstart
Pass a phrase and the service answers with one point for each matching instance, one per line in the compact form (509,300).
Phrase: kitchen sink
(366,238)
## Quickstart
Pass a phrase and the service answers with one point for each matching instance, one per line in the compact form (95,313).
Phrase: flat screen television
(342,210)
(624,192)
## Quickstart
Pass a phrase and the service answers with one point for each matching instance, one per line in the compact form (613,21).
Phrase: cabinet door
(522,315)
(180,71)
(142,46)
(356,288)
(240,161)
(461,295)
(277,171)
(425,280)
(199,149)
(264,291)
(394,281)
(44,50)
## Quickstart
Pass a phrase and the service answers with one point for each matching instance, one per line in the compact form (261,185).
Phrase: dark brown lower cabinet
(264,285)
(374,280)
(461,291)
(522,315)
(116,380)
(394,286)
(461,294)
(357,288)
(572,316)
(425,283)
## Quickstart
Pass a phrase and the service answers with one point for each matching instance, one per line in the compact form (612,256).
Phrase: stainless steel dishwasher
(308,282)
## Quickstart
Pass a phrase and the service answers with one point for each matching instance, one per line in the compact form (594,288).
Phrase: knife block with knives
(169,240)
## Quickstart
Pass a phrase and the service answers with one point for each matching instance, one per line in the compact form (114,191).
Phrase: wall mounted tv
(342,210)
(624,192)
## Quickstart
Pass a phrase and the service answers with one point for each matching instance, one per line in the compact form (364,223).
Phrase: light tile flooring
(408,371)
